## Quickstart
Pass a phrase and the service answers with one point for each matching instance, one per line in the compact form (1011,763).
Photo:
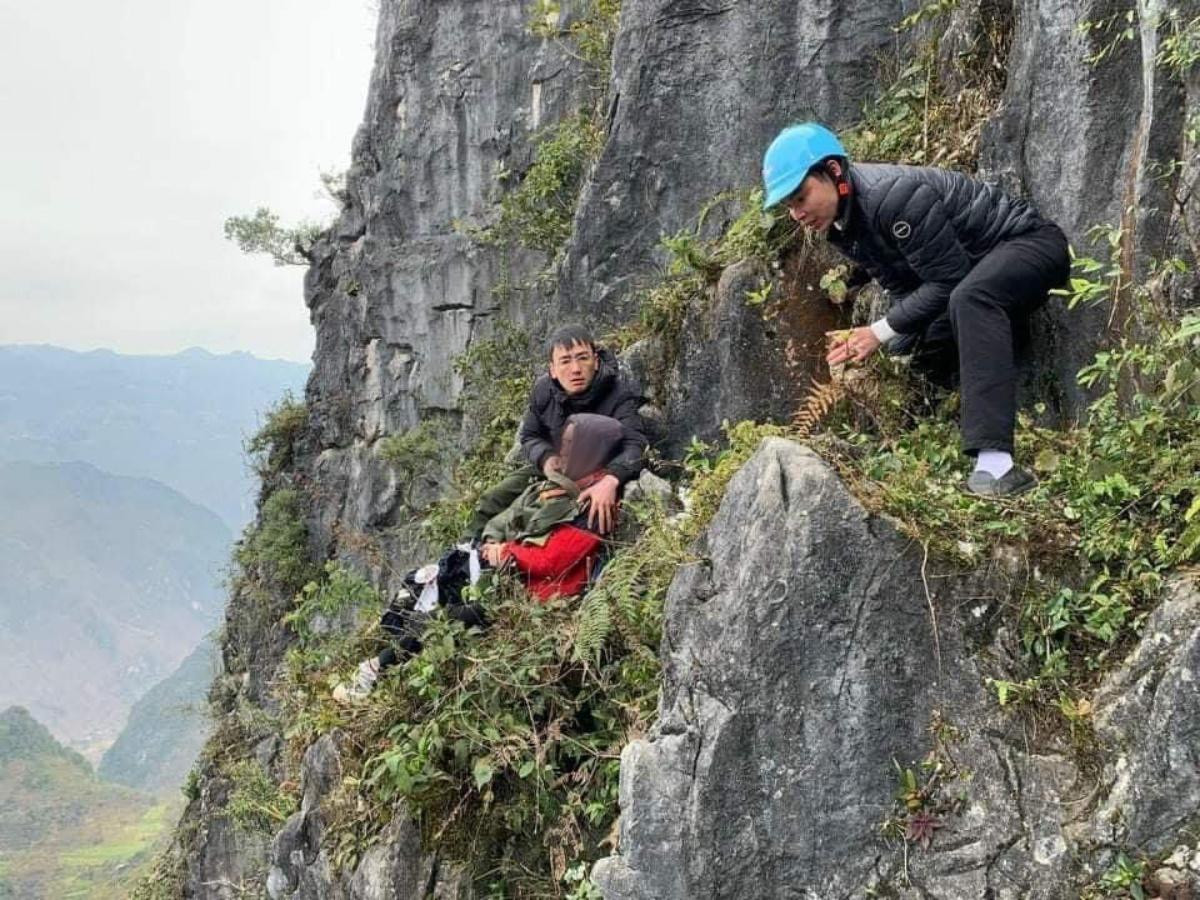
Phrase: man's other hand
(553,463)
(600,500)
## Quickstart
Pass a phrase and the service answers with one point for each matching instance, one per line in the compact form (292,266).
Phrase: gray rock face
(223,862)
(801,666)
(1088,142)
(739,361)
(699,87)
(398,291)
(799,661)
(1148,714)
(395,868)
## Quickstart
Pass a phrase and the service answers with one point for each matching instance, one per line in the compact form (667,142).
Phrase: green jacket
(529,518)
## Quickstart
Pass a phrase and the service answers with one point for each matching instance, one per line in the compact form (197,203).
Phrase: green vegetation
(121,844)
(1179,40)
(696,262)
(591,31)
(287,245)
(930,792)
(272,449)
(322,620)
(498,375)
(276,549)
(516,732)
(256,803)
(537,213)
(261,232)
(1180,48)
(1117,507)
(1123,879)
(415,454)
(919,118)
(538,209)
(63,832)
(321,602)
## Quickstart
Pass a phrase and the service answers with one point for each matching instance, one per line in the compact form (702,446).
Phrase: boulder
(810,657)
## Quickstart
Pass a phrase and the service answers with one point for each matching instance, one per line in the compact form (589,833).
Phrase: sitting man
(582,378)
(545,534)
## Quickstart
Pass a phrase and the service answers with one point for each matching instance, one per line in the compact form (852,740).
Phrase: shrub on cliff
(1117,507)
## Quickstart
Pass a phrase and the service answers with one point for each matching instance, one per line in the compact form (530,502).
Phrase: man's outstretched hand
(858,345)
(600,500)
(494,553)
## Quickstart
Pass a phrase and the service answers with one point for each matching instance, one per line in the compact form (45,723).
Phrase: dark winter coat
(919,231)
(607,395)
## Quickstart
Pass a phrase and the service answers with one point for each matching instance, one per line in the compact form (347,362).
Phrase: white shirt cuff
(883,330)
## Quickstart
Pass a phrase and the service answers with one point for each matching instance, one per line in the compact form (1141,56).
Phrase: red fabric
(560,568)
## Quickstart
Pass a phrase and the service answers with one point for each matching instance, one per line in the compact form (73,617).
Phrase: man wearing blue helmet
(963,262)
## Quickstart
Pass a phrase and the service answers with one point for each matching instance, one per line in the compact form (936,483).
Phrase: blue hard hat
(792,155)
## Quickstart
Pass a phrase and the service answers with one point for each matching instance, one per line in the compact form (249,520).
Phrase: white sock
(995,462)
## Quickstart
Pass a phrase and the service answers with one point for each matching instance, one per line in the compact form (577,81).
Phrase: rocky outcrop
(219,860)
(398,289)
(806,658)
(395,868)
(698,89)
(1089,140)
(734,360)
(1148,715)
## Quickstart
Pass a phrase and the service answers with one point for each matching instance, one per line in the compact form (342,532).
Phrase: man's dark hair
(567,337)
(821,169)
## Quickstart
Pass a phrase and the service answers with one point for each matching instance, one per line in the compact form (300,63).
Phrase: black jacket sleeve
(912,215)
(630,459)
(534,437)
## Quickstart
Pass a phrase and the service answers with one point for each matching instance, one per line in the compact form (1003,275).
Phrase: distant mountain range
(64,832)
(178,419)
(122,486)
(106,584)
(166,728)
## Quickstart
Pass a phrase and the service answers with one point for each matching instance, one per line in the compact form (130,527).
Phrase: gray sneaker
(360,688)
(1015,481)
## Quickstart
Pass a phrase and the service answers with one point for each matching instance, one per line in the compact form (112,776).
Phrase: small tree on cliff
(287,246)
(262,233)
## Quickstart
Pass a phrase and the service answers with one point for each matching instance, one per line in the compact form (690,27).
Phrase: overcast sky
(131,129)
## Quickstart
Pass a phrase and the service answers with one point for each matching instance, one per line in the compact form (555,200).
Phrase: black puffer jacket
(607,395)
(919,231)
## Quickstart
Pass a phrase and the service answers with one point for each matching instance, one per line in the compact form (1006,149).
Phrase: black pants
(975,339)
(497,499)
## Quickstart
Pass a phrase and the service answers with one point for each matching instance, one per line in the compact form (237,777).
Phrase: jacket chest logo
(901,230)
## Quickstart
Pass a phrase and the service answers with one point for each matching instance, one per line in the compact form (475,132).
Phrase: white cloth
(427,575)
(882,330)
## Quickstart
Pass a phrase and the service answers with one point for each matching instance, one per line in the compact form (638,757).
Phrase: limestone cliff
(800,662)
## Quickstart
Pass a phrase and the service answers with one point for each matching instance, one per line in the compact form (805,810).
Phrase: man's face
(574,367)
(814,204)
